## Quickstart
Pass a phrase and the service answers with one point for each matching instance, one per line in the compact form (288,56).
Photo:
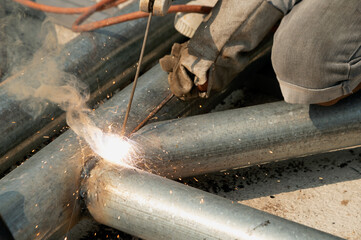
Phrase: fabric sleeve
(284,5)
(232,27)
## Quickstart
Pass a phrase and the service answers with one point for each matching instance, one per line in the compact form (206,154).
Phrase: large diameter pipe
(153,207)
(248,136)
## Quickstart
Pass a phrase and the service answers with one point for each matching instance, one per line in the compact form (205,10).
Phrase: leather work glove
(220,48)
(180,80)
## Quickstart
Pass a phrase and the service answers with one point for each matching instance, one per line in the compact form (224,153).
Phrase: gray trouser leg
(317,50)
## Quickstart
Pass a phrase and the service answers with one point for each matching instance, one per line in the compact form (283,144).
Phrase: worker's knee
(316,54)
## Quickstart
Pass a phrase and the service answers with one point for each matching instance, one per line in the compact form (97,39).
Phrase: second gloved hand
(181,80)
(221,47)
(185,84)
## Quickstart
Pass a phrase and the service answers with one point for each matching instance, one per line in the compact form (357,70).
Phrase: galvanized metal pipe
(153,207)
(248,136)
(39,198)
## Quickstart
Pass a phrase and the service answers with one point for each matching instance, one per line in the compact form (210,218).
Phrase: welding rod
(153,207)
(137,73)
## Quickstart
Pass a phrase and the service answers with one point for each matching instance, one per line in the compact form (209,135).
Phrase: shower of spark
(115,149)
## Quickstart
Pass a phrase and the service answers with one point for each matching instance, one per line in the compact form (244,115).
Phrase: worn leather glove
(180,79)
(220,48)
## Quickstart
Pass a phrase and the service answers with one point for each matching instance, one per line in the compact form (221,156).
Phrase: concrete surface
(321,191)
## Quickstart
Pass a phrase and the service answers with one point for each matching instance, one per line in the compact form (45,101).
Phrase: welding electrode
(136,74)
(158,7)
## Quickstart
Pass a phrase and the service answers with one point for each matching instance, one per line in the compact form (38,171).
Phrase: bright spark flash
(115,149)
(111,147)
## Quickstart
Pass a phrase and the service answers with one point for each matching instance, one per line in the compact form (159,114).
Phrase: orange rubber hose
(131,16)
(105,4)
(62,10)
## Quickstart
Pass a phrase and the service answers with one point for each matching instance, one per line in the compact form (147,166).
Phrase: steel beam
(153,207)
(248,136)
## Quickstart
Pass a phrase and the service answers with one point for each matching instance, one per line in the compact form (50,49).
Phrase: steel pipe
(153,207)
(248,136)
(39,198)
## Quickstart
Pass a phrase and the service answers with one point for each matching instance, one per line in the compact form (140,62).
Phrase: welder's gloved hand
(182,82)
(220,48)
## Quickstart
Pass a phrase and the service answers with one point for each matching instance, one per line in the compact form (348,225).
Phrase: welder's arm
(219,48)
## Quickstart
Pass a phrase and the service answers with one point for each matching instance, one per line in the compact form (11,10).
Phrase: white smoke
(40,83)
